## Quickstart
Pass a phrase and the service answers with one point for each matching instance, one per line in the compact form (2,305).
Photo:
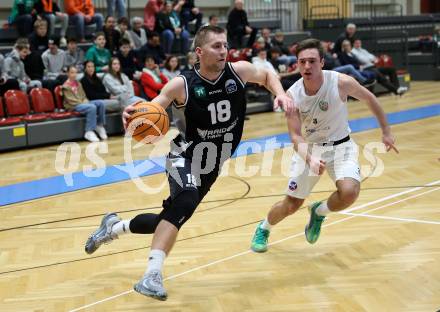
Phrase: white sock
(266,225)
(323,210)
(155,260)
(122,227)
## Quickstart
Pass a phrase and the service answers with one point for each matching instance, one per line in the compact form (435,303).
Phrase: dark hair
(149,57)
(212,17)
(70,67)
(124,41)
(123,20)
(111,72)
(107,17)
(93,78)
(167,62)
(310,44)
(153,34)
(71,39)
(203,32)
(98,34)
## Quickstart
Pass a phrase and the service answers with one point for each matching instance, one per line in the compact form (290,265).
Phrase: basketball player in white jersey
(320,100)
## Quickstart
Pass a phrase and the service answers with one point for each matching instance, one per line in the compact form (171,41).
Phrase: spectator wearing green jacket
(99,55)
(22,16)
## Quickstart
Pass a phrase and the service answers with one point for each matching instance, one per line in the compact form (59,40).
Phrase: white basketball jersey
(324,116)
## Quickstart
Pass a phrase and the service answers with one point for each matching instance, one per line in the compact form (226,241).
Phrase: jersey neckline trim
(207,80)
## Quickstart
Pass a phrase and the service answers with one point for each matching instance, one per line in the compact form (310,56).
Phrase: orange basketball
(148,123)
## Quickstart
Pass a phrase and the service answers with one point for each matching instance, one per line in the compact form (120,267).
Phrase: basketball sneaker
(151,285)
(313,228)
(103,235)
(259,241)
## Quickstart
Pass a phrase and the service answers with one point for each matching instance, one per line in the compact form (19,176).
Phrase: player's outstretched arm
(248,72)
(173,90)
(348,86)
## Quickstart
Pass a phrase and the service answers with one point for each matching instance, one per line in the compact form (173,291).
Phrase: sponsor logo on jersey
(216,133)
(315,121)
(200,92)
(230,86)
(293,185)
(323,105)
(215,92)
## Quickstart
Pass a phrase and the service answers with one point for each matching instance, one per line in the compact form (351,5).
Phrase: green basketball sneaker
(259,241)
(313,228)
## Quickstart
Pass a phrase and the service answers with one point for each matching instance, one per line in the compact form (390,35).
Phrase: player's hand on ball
(389,141)
(126,114)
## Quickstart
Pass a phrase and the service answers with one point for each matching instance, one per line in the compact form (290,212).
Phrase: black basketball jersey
(213,112)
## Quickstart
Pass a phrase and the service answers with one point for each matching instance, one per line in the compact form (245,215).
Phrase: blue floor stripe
(19,192)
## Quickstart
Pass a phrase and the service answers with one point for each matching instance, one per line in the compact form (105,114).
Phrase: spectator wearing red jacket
(152,80)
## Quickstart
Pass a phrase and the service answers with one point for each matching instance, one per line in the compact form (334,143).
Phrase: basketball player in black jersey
(209,108)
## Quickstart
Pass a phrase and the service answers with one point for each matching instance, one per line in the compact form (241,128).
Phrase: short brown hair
(203,32)
(310,44)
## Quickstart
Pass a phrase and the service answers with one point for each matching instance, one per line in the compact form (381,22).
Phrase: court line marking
(281,240)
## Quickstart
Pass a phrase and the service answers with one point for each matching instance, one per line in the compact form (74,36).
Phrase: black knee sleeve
(145,223)
(181,208)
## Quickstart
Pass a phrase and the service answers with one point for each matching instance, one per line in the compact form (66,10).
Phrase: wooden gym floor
(382,254)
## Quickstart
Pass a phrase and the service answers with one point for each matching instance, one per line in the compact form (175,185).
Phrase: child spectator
(74,55)
(118,84)
(75,99)
(127,59)
(171,67)
(54,60)
(14,67)
(95,90)
(98,54)
(51,12)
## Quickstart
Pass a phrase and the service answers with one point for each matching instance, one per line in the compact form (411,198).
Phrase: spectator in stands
(23,16)
(347,57)
(152,8)
(74,98)
(258,45)
(118,84)
(286,57)
(112,36)
(82,13)
(168,25)
(153,48)
(123,30)
(288,75)
(95,90)
(51,12)
(367,61)
(98,54)
(14,66)
(6,83)
(238,27)
(137,32)
(39,38)
(332,63)
(152,80)
(54,60)
(349,34)
(191,60)
(190,12)
(74,55)
(120,8)
(128,61)
(265,34)
(213,20)
(171,67)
